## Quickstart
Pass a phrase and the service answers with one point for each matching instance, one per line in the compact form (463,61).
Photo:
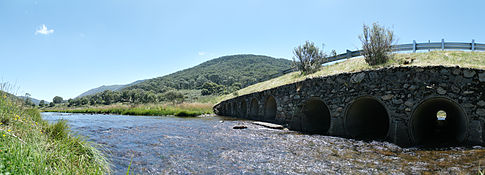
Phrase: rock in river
(239,127)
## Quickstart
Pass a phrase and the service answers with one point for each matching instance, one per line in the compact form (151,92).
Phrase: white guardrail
(409,47)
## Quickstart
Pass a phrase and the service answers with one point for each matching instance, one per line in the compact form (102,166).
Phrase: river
(209,145)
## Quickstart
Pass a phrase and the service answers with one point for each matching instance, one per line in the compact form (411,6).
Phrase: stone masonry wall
(399,89)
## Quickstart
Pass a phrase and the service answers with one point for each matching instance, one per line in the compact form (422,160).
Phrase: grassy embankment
(181,110)
(30,145)
(433,58)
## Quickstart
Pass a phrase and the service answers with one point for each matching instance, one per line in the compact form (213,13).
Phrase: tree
(310,58)
(42,103)
(57,100)
(210,88)
(174,96)
(376,44)
(28,101)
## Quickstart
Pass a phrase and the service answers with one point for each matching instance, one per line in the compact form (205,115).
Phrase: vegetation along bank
(181,110)
(30,145)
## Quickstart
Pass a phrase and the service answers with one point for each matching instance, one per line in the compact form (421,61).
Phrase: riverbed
(210,145)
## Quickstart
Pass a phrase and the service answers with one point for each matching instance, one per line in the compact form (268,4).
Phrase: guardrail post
(414,46)
(429,43)
(442,44)
(349,54)
(473,45)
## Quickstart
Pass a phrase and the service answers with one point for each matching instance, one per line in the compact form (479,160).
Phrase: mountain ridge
(107,87)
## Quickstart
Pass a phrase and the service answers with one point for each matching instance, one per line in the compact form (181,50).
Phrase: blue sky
(89,43)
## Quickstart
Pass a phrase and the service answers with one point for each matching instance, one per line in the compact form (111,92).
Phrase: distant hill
(35,101)
(234,71)
(110,87)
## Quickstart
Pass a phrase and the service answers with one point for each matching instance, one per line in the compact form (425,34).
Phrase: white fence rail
(417,46)
(408,47)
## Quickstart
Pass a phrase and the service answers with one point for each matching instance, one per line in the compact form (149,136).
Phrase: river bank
(31,145)
(180,110)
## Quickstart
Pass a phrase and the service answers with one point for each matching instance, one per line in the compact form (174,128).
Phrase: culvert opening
(234,109)
(244,109)
(227,109)
(270,109)
(438,122)
(253,111)
(367,119)
(316,118)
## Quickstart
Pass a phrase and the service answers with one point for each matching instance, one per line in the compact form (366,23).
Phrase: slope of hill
(203,83)
(229,72)
(35,101)
(433,58)
(110,87)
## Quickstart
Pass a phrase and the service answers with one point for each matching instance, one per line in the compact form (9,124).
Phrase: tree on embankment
(308,58)
(376,44)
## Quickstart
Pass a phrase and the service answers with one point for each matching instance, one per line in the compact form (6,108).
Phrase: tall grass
(182,110)
(30,145)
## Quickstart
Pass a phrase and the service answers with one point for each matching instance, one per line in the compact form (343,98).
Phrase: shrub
(59,130)
(310,58)
(376,44)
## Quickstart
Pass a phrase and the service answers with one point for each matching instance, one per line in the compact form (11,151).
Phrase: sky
(63,48)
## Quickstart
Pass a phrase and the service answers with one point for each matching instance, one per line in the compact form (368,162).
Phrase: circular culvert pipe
(438,122)
(316,117)
(244,109)
(270,109)
(253,110)
(367,118)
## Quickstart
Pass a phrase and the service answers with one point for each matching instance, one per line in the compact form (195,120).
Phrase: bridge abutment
(398,104)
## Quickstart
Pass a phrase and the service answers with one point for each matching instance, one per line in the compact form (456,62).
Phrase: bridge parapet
(409,106)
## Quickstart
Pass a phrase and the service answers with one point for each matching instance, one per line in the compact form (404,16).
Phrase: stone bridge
(409,106)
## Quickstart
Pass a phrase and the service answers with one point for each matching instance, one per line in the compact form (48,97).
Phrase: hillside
(110,87)
(229,72)
(203,83)
(433,58)
(35,101)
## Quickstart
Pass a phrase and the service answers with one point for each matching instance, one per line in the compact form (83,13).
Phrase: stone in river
(239,127)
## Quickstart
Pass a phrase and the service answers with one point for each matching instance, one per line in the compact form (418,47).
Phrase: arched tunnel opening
(270,109)
(316,118)
(243,110)
(226,109)
(253,111)
(234,109)
(438,122)
(367,119)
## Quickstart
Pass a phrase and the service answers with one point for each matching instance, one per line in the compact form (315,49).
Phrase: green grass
(181,110)
(30,145)
(433,58)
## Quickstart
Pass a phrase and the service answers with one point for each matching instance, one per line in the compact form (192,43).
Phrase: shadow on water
(209,145)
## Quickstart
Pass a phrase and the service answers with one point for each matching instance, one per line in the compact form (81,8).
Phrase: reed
(181,110)
(30,145)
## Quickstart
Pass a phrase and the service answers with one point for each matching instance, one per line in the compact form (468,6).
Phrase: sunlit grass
(30,145)
(182,110)
(433,58)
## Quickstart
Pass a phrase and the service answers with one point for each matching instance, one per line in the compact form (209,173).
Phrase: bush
(59,130)
(310,58)
(376,44)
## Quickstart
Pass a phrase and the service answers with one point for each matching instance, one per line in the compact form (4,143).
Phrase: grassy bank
(30,145)
(181,110)
(433,58)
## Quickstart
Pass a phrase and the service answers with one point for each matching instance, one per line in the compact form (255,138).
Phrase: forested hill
(221,75)
(110,87)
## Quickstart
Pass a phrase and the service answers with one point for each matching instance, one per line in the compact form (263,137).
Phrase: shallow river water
(209,145)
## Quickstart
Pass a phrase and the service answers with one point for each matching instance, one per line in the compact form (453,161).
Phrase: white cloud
(201,53)
(44,31)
